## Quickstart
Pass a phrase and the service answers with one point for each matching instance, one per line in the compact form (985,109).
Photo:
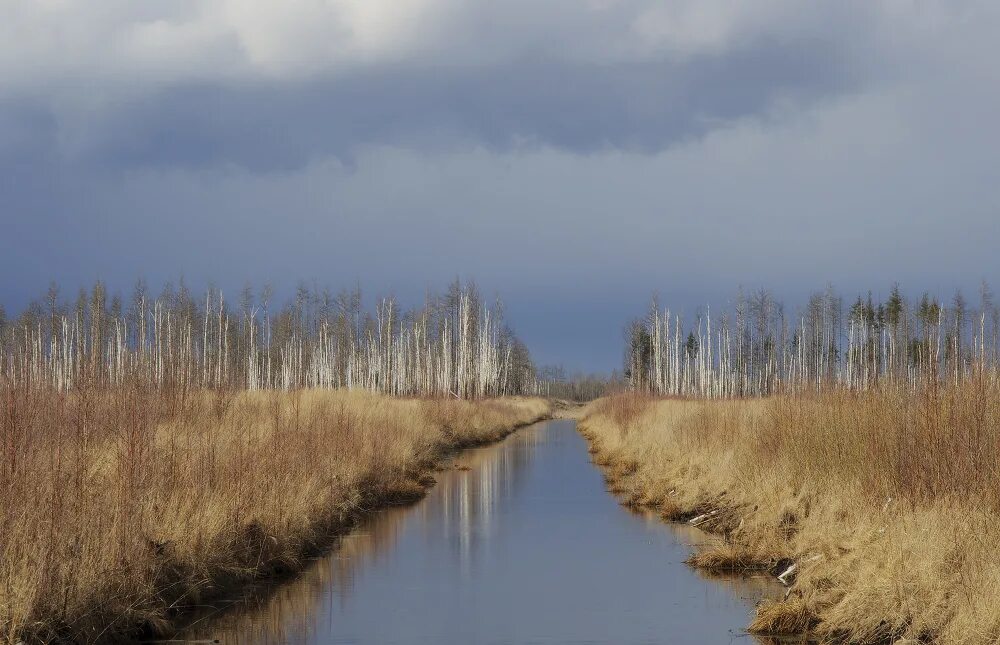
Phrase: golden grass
(120,508)
(729,557)
(791,616)
(887,501)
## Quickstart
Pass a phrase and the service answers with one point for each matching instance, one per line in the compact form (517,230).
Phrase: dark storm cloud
(571,160)
(636,107)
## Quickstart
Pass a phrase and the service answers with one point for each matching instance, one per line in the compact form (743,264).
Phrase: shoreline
(332,459)
(620,477)
(409,491)
(797,489)
(419,486)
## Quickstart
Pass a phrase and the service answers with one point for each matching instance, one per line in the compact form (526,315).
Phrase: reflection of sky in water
(526,547)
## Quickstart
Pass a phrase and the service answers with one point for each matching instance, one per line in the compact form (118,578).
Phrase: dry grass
(120,508)
(887,501)
(788,617)
(727,557)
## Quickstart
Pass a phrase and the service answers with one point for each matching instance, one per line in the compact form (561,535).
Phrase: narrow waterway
(520,543)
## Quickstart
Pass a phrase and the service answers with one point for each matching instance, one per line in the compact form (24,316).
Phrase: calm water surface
(525,547)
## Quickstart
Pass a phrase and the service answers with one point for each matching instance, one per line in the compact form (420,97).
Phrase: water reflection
(466,497)
(525,546)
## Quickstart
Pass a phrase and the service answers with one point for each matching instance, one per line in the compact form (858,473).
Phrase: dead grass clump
(673,512)
(783,617)
(727,557)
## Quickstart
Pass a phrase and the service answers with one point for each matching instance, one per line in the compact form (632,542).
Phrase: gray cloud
(573,177)
(632,106)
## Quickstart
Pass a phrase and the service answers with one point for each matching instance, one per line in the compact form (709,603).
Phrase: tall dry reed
(885,500)
(121,507)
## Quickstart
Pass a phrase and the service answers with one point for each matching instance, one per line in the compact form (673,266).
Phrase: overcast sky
(572,156)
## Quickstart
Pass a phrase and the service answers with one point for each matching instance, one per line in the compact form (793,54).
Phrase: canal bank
(518,542)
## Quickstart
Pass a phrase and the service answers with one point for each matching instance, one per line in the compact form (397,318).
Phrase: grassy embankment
(119,509)
(887,502)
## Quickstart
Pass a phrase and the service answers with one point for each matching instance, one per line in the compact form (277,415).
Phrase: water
(524,547)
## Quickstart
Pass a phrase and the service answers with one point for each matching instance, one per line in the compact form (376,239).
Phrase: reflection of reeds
(286,611)
(885,501)
(121,507)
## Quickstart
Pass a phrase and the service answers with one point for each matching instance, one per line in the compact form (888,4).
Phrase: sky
(573,157)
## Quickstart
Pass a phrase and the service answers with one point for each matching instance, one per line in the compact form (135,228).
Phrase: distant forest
(454,345)
(760,347)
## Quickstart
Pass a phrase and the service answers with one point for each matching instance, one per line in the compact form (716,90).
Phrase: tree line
(758,347)
(578,386)
(453,345)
